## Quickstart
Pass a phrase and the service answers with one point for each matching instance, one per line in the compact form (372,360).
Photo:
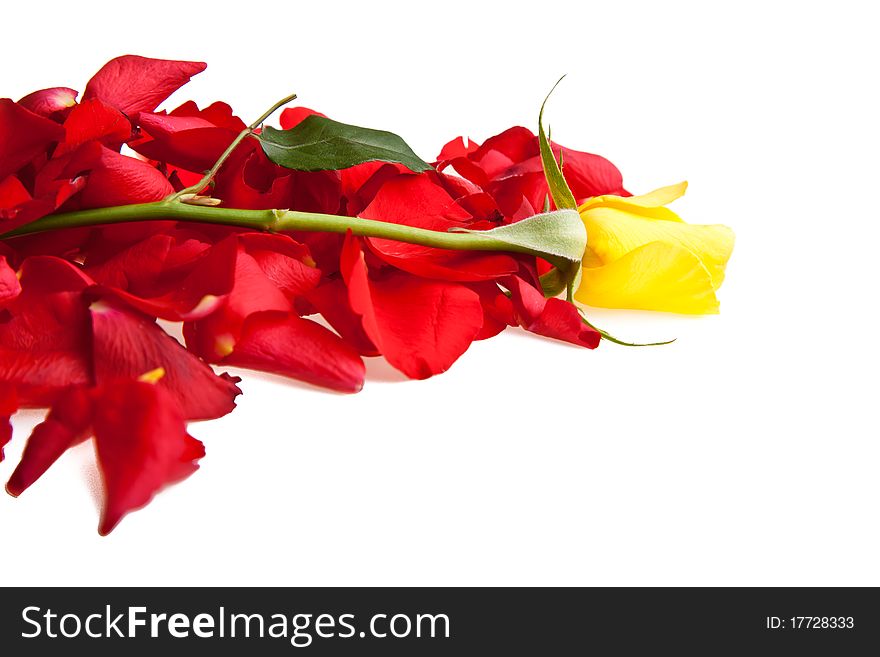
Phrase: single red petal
(50,103)
(424,326)
(127,344)
(298,348)
(66,424)
(93,120)
(420,326)
(293,116)
(23,136)
(115,179)
(552,318)
(135,84)
(142,446)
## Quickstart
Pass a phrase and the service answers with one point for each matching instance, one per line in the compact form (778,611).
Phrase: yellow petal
(655,276)
(661,196)
(612,233)
(648,205)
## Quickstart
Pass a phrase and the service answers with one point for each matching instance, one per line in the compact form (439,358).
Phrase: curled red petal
(552,318)
(126,344)
(50,103)
(298,348)
(142,446)
(66,424)
(134,84)
(23,136)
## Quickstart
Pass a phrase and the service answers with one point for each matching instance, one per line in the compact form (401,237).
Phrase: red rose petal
(298,348)
(142,446)
(66,424)
(50,102)
(420,326)
(552,318)
(135,84)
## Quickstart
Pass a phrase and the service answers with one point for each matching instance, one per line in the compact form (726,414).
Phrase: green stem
(269,220)
(244,134)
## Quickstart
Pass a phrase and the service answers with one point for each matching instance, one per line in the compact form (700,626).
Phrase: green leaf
(559,190)
(321,144)
(553,235)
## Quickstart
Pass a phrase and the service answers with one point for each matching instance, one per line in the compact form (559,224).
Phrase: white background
(745,453)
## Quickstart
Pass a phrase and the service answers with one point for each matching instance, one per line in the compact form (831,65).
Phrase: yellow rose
(642,255)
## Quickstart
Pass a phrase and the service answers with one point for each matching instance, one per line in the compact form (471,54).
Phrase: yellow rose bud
(642,255)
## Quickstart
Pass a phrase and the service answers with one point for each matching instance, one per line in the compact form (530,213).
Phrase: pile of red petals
(79,332)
